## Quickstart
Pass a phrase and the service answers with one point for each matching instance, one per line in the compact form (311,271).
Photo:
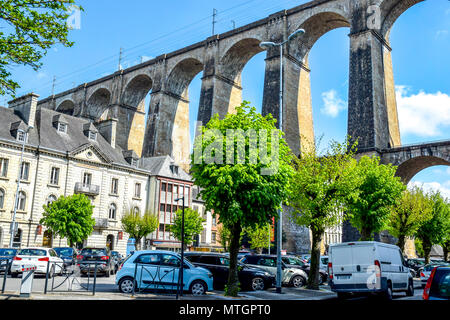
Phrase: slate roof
(160,166)
(7,118)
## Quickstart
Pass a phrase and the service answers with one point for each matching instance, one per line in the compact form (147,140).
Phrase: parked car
(69,256)
(117,260)
(6,256)
(102,256)
(218,264)
(306,258)
(415,265)
(295,262)
(39,257)
(438,285)
(291,276)
(425,272)
(159,270)
(368,267)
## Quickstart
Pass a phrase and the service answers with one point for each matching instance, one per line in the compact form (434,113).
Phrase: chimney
(108,129)
(25,107)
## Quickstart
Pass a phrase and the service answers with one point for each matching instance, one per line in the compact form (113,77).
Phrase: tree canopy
(70,217)
(138,226)
(32,27)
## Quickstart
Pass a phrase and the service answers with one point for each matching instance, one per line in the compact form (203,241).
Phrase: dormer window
(92,136)
(62,127)
(21,135)
(174,169)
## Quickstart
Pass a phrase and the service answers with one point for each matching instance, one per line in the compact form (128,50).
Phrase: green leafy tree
(242,184)
(433,231)
(224,236)
(70,217)
(413,209)
(259,237)
(378,191)
(138,226)
(193,225)
(322,185)
(31,27)
(419,247)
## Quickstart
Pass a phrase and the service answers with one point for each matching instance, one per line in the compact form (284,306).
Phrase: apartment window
(114,186)
(25,171)
(112,211)
(54,176)
(62,127)
(87,179)
(162,207)
(21,201)
(51,199)
(213,237)
(3,167)
(163,187)
(137,190)
(21,135)
(2,198)
(214,221)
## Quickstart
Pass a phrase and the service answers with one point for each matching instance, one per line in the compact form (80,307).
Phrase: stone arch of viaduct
(372,110)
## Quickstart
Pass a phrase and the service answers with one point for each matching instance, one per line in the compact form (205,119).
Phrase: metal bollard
(27,280)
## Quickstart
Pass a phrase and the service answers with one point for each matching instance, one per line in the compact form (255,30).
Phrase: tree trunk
(232,288)
(313,278)
(401,242)
(137,244)
(445,248)
(427,251)
(366,234)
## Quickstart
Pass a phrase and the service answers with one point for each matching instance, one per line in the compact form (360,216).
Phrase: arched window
(136,210)
(110,242)
(2,198)
(21,201)
(51,199)
(112,211)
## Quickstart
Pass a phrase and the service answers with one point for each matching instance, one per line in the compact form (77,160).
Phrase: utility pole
(233,23)
(53,85)
(214,21)
(120,58)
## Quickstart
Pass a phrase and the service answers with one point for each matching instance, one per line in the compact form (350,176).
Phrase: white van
(368,267)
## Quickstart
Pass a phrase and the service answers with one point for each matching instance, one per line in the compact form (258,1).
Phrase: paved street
(107,290)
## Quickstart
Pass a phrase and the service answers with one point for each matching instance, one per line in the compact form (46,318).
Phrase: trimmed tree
(70,217)
(322,185)
(378,191)
(193,225)
(32,28)
(413,209)
(259,237)
(138,226)
(433,231)
(244,166)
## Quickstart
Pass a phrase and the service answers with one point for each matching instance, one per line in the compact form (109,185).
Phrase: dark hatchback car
(295,262)
(6,256)
(218,264)
(117,259)
(69,255)
(438,285)
(89,258)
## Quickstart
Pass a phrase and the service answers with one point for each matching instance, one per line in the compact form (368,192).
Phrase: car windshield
(294,261)
(64,251)
(92,251)
(8,252)
(430,267)
(32,252)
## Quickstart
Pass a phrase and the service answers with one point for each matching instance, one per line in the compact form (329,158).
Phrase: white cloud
(444,188)
(41,75)
(441,33)
(332,104)
(423,114)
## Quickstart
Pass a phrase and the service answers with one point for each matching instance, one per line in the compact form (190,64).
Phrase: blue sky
(420,40)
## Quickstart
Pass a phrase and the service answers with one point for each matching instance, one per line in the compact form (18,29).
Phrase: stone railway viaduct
(372,109)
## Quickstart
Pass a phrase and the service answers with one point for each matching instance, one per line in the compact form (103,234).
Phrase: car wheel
(298,281)
(198,288)
(126,285)
(257,284)
(388,292)
(410,291)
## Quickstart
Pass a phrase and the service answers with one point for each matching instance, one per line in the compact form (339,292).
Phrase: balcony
(101,223)
(88,189)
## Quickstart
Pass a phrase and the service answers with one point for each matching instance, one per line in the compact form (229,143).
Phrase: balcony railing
(101,223)
(89,189)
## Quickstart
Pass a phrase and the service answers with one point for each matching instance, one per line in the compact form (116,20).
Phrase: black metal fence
(155,277)
(5,267)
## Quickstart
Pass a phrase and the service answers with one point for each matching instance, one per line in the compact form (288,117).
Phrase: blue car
(157,269)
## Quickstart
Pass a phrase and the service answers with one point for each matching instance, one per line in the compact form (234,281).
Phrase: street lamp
(267,46)
(181,269)
(13,223)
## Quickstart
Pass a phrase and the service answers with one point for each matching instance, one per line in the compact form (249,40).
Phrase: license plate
(346,277)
